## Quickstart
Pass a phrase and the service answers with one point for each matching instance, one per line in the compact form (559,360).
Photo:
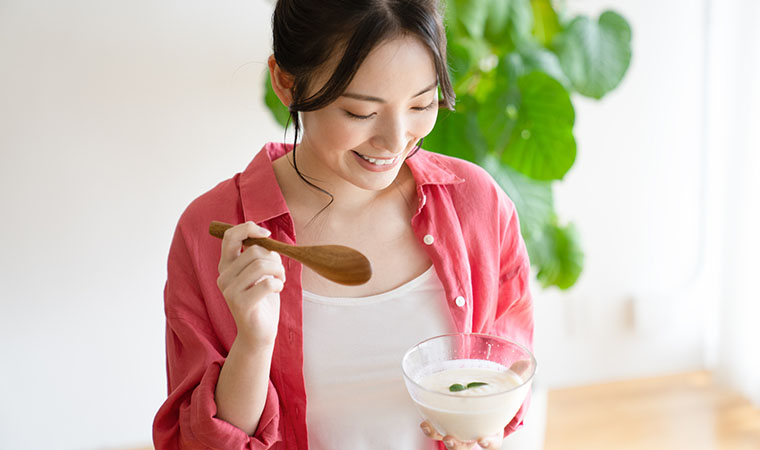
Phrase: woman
(264,353)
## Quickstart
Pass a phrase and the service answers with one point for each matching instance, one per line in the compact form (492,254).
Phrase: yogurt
(471,413)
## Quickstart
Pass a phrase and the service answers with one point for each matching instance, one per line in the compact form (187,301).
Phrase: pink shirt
(476,249)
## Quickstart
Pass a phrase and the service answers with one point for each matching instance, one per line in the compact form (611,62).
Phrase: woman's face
(363,137)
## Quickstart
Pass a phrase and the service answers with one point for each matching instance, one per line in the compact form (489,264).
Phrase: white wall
(637,195)
(114,115)
(733,133)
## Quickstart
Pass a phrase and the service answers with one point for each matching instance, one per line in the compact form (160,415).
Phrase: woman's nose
(391,136)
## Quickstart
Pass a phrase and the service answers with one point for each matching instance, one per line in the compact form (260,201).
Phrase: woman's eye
(359,117)
(425,108)
(368,116)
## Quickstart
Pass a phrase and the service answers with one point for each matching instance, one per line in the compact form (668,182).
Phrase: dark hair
(306,33)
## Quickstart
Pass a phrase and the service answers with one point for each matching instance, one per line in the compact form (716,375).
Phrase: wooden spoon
(337,263)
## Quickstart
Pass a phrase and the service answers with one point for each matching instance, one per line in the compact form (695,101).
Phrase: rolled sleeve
(194,359)
(216,433)
(187,420)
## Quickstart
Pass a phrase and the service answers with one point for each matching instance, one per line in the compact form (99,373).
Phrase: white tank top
(356,397)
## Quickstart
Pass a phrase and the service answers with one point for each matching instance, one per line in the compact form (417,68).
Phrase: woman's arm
(241,391)
(191,417)
(250,282)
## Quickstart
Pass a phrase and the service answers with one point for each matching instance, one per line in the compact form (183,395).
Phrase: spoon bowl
(337,263)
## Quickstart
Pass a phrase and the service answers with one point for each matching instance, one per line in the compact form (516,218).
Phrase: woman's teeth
(379,162)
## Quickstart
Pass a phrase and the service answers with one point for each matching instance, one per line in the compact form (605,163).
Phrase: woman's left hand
(452,443)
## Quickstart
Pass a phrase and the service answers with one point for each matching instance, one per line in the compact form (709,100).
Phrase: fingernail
(425,429)
(266,232)
(484,444)
(448,443)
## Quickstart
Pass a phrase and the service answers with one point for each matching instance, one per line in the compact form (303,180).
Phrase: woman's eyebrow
(370,98)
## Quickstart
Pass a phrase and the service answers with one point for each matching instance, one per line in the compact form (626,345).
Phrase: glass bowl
(468,385)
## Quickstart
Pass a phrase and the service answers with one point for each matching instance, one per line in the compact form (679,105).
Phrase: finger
(230,274)
(250,296)
(263,268)
(430,431)
(453,443)
(253,274)
(491,442)
(265,286)
(234,237)
(520,367)
(248,256)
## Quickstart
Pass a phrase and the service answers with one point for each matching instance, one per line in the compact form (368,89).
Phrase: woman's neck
(347,199)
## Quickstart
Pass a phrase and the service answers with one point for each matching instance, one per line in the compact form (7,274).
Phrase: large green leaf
(530,125)
(465,56)
(278,110)
(595,55)
(457,134)
(508,22)
(497,117)
(557,254)
(501,22)
(554,250)
(542,145)
(497,19)
(532,198)
(545,21)
(469,15)
(532,58)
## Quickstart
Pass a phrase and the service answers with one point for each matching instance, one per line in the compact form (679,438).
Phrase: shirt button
(459,301)
(428,239)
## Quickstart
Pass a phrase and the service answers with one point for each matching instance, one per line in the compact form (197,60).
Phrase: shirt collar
(428,168)
(260,193)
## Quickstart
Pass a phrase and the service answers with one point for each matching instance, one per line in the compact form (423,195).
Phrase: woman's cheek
(325,129)
(427,124)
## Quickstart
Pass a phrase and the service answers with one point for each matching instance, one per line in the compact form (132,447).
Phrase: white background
(115,115)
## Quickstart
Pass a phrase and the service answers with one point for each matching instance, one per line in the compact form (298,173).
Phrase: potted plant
(514,66)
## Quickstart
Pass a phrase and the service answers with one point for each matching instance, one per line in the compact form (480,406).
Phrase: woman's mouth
(377,161)
(377,164)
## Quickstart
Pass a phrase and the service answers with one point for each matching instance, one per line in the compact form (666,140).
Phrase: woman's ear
(282,82)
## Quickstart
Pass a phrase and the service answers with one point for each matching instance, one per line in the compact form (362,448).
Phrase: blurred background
(115,115)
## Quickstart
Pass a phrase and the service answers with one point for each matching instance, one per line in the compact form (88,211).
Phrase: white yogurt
(475,412)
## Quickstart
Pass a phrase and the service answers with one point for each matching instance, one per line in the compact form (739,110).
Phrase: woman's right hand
(251,281)
(452,443)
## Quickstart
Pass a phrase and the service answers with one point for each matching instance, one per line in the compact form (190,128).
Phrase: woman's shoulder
(471,179)
(221,203)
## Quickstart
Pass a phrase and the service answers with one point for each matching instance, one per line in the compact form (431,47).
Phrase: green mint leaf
(456,387)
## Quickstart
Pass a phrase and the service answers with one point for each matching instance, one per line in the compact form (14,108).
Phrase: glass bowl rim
(491,336)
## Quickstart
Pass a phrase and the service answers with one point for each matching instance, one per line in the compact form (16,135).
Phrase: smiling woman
(251,337)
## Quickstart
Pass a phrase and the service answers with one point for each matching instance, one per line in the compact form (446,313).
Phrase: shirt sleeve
(514,316)
(194,358)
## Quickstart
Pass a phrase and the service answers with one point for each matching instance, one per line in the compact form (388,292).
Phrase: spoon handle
(337,263)
(217,229)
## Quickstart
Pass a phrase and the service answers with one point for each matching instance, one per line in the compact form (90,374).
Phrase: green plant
(514,65)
